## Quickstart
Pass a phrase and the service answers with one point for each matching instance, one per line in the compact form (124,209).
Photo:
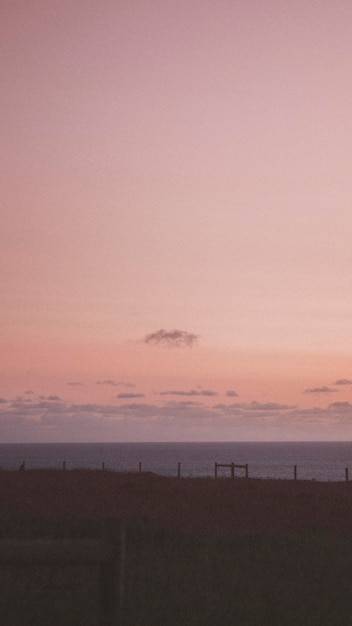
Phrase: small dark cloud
(172,338)
(74,383)
(55,398)
(182,404)
(114,383)
(3,401)
(106,382)
(191,392)
(343,381)
(320,390)
(139,407)
(255,406)
(29,392)
(340,406)
(231,393)
(124,396)
(269,406)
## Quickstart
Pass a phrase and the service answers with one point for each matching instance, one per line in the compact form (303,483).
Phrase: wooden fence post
(295,472)
(246,470)
(346,474)
(216,471)
(140,466)
(232,471)
(103,467)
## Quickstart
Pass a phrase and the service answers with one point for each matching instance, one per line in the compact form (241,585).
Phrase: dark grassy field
(198,551)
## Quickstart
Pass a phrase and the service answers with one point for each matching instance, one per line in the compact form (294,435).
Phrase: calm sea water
(320,461)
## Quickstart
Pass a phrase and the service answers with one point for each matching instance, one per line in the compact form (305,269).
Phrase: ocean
(323,461)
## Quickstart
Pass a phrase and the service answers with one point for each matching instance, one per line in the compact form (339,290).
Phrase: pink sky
(176,165)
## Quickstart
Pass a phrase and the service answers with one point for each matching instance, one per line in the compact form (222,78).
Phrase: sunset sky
(176,220)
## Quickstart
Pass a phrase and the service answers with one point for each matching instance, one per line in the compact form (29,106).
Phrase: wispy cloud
(255,406)
(172,338)
(270,406)
(57,420)
(321,390)
(343,381)
(114,383)
(74,383)
(121,396)
(3,401)
(231,393)
(191,392)
(340,406)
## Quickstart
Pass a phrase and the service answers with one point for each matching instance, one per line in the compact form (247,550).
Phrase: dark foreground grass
(256,579)
(188,575)
(182,578)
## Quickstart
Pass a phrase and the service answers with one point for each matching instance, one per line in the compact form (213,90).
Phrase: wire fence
(335,472)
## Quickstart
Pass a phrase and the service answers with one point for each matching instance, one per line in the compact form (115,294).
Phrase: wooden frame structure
(232,466)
